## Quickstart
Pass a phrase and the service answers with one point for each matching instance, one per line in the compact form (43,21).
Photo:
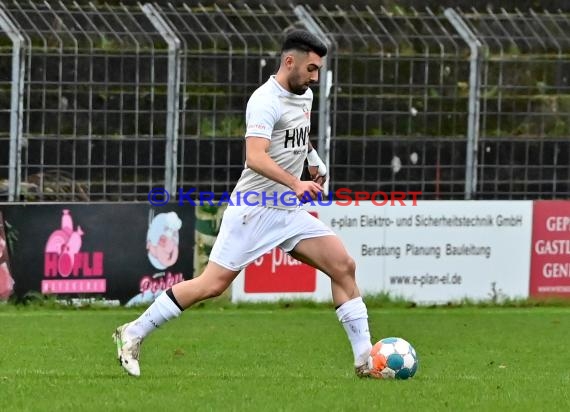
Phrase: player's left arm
(317,168)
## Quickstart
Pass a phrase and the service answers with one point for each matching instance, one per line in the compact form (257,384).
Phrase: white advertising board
(434,252)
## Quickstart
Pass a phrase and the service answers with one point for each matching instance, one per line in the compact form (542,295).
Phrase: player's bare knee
(350,266)
(216,288)
(346,267)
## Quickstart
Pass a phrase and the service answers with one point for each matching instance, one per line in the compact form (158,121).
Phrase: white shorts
(248,232)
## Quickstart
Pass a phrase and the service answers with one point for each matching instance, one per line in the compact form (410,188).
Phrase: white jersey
(284,118)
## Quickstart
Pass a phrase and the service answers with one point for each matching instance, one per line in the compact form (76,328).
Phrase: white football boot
(128,350)
(362,371)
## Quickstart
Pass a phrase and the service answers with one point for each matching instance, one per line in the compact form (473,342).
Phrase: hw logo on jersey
(278,272)
(298,136)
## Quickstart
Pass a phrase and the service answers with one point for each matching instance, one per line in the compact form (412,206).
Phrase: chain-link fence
(95,91)
(524,150)
(102,102)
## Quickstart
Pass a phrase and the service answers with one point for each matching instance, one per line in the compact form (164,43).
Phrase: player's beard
(299,89)
(297,86)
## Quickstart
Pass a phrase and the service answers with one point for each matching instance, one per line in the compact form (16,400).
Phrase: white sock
(354,318)
(161,311)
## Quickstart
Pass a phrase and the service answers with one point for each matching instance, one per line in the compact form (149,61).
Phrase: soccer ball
(393,358)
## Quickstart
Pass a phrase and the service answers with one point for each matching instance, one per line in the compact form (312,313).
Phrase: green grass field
(253,359)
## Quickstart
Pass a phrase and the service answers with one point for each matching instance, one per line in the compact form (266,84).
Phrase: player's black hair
(302,40)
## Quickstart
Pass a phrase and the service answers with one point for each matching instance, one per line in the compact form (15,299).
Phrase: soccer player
(277,144)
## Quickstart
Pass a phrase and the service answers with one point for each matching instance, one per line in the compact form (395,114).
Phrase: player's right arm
(258,160)
(263,111)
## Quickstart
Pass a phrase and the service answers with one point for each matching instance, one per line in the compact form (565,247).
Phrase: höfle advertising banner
(124,254)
